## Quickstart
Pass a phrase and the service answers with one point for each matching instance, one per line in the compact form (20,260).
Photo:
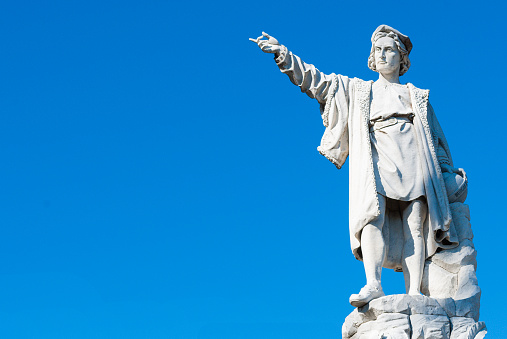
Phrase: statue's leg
(373,250)
(414,216)
(373,246)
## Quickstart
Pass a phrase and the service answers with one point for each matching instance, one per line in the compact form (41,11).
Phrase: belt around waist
(375,125)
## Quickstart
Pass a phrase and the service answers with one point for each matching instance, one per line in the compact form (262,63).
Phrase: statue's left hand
(450,169)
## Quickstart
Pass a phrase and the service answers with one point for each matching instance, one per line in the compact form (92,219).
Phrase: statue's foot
(367,294)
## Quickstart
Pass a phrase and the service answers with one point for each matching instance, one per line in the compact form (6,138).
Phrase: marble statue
(403,184)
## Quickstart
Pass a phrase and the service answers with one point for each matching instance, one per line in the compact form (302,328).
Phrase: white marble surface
(452,273)
(452,308)
(346,112)
(429,239)
(404,316)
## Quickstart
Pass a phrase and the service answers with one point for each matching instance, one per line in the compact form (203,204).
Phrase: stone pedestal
(401,316)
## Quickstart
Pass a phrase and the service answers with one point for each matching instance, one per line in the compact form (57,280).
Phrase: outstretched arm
(311,81)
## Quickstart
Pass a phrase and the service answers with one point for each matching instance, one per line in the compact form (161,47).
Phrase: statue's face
(387,56)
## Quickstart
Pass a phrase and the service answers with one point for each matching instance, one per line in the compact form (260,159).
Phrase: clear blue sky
(159,175)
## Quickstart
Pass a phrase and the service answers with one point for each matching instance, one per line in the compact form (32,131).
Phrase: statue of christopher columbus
(398,157)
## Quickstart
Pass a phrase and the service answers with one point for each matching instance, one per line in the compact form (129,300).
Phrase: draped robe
(345,109)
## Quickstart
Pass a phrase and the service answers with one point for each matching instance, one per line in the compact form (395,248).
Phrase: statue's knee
(413,228)
(414,232)
(372,233)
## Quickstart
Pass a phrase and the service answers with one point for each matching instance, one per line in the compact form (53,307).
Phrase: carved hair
(404,60)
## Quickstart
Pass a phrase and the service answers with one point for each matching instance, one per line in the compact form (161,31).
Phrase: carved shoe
(367,293)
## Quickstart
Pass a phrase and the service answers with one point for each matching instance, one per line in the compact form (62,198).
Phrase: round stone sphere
(456,186)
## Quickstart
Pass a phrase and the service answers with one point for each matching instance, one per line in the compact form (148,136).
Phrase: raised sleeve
(306,76)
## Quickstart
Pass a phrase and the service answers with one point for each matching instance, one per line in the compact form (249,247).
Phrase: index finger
(266,35)
(259,38)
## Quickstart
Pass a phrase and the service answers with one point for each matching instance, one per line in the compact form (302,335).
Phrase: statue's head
(389,51)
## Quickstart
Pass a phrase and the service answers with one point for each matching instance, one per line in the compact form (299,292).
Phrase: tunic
(396,162)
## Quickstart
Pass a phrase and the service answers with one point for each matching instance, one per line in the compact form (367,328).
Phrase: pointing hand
(271,45)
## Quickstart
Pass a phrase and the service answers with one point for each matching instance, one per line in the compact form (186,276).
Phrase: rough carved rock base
(403,316)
